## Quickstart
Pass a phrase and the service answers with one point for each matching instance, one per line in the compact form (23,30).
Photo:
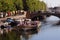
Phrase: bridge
(34,15)
(43,15)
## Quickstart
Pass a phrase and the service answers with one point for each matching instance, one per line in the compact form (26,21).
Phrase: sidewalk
(15,17)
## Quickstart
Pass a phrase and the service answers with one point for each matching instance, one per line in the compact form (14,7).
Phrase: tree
(25,5)
(43,7)
(18,4)
(0,6)
(3,6)
(10,5)
(35,5)
(7,5)
(28,5)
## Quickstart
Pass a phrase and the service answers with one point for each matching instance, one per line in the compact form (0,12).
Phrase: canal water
(48,30)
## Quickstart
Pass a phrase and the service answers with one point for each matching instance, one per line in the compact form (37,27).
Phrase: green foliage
(43,7)
(9,36)
(0,6)
(19,4)
(31,5)
(6,5)
(35,5)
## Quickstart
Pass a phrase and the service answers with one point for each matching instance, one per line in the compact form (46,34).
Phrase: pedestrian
(9,14)
(1,14)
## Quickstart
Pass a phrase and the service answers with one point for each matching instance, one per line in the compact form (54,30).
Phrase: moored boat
(29,27)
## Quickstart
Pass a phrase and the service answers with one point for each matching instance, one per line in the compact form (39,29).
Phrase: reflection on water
(48,30)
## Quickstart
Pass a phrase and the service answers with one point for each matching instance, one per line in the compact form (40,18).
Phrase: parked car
(9,20)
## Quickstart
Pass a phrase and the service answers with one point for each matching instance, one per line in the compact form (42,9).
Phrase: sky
(52,3)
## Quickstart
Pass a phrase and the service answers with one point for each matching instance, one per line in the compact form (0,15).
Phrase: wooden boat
(30,27)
